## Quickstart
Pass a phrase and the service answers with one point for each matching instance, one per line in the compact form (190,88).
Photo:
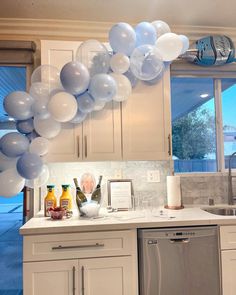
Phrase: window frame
(182,69)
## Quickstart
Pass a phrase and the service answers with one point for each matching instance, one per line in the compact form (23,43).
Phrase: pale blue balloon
(25,126)
(75,77)
(122,38)
(145,34)
(29,165)
(79,117)
(18,105)
(14,144)
(85,102)
(146,63)
(102,87)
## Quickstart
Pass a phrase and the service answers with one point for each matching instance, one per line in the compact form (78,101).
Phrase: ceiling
(174,12)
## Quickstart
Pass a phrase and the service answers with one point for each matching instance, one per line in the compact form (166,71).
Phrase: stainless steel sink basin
(221,211)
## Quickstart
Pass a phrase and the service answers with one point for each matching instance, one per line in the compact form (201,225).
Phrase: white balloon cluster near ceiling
(97,76)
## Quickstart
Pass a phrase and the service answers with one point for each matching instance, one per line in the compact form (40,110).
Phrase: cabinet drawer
(79,245)
(228,237)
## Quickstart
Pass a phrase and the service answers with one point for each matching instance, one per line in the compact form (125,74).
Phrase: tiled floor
(11,250)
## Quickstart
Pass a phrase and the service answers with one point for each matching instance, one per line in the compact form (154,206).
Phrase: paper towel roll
(173,191)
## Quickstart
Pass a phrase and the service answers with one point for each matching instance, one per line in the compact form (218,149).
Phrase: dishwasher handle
(180,241)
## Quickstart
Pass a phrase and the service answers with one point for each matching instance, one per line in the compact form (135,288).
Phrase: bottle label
(65,203)
(49,204)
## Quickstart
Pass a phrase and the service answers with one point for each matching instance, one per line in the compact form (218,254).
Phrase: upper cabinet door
(98,138)
(146,122)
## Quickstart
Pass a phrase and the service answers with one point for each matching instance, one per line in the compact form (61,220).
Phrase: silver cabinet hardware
(78,146)
(85,146)
(82,280)
(78,246)
(184,240)
(73,280)
(169,145)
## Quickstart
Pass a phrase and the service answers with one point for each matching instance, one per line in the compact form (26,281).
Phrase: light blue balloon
(122,38)
(25,126)
(145,34)
(29,165)
(75,77)
(102,87)
(146,63)
(14,144)
(85,103)
(133,80)
(79,117)
(18,105)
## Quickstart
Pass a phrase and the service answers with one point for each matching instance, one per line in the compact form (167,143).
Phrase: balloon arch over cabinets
(85,85)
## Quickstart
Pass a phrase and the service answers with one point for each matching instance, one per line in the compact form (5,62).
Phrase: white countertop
(125,220)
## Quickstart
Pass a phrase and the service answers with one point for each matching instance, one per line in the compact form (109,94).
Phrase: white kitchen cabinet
(93,263)
(146,122)
(228,258)
(95,139)
(51,277)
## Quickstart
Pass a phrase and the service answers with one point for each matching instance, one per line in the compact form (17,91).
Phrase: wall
(63,173)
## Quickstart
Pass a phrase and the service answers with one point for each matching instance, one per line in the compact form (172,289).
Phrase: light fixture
(204,95)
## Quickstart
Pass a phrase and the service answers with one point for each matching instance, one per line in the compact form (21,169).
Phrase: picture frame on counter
(120,194)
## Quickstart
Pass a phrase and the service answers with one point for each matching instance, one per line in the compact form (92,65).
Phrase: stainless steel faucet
(230,185)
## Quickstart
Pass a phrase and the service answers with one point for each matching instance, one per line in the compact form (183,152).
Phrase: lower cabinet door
(228,259)
(51,277)
(107,276)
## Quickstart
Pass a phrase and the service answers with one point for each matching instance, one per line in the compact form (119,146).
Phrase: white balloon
(185,43)
(39,146)
(41,180)
(47,74)
(124,87)
(169,46)
(40,108)
(62,106)
(39,90)
(6,162)
(119,63)
(47,127)
(161,27)
(99,105)
(11,183)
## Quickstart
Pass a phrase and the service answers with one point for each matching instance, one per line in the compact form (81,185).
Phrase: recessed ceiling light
(11,119)
(204,95)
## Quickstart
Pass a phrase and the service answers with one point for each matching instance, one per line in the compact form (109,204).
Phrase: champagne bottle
(96,195)
(80,196)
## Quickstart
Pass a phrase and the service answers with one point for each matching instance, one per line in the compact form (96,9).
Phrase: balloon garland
(96,77)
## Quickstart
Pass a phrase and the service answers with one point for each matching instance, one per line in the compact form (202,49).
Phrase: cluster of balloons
(97,76)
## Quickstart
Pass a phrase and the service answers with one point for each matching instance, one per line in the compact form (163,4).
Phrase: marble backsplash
(195,189)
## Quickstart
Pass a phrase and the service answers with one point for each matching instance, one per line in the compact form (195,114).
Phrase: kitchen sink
(221,211)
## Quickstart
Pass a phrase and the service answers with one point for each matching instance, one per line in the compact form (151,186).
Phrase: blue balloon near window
(122,38)
(14,144)
(85,103)
(145,34)
(75,77)
(25,126)
(102,87)
(29,165)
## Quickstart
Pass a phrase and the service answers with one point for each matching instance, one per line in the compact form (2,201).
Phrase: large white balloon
(169,46)
(39,146)
(41,180)
(47,127)
(62,106)
(124,87)
(119,63)
(11,183)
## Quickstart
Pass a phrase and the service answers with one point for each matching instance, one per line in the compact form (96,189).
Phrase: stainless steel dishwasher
(179,261)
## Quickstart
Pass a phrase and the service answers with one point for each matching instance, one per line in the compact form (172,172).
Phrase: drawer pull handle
(77,246)
(73,286)
(82,279)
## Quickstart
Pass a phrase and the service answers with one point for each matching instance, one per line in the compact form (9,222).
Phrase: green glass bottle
(80,196)
(96,195)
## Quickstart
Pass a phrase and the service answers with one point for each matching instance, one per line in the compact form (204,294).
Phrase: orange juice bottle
(50,200)
(66,197)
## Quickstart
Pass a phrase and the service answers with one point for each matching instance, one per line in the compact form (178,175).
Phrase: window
(203,118)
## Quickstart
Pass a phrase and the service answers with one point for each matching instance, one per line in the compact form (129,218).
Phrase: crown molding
(36,29)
